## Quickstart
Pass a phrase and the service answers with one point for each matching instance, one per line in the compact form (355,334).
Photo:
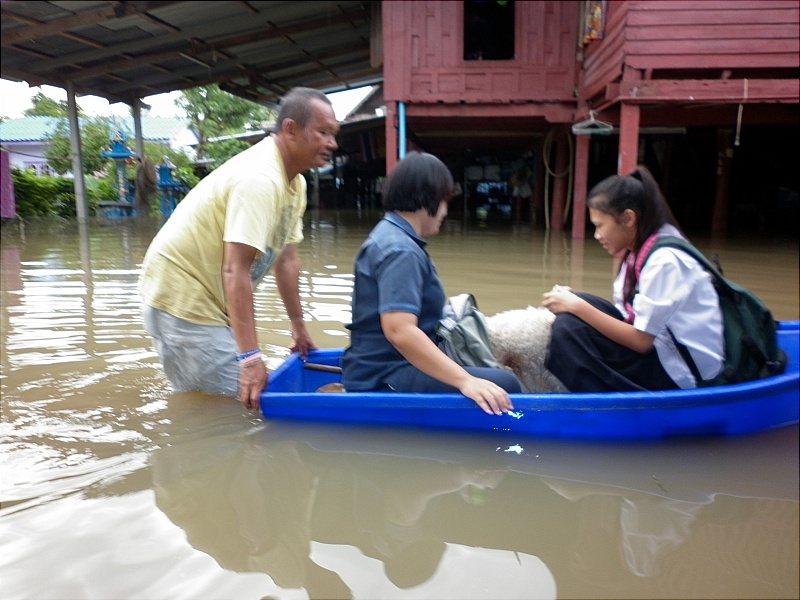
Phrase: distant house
(25,140)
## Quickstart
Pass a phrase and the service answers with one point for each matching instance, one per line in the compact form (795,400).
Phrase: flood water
(115,488)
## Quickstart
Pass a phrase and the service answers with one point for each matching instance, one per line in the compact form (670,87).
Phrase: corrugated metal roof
(124,51)
(36,129)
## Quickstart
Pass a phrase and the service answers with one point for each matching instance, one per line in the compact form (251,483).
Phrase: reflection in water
(124,490)
(376,509)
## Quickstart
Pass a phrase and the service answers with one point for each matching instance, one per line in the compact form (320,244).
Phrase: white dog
(519,340)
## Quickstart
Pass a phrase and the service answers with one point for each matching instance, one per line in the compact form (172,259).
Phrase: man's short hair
(296,105)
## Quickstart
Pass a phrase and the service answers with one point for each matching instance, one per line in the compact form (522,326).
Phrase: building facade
(562,94)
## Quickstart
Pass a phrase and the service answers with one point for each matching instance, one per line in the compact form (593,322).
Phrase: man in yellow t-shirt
(200,270)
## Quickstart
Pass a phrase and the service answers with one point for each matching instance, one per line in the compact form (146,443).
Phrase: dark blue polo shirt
(393,272)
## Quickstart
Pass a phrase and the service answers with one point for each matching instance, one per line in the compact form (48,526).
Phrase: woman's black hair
(419,180)
(638,192)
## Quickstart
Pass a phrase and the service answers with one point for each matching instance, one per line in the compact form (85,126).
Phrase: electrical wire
(569,171)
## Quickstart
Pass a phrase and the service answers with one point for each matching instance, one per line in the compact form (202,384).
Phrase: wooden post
(579,186)
(719,219)
(537,198)
(560,184)
(390,127)
(628,139)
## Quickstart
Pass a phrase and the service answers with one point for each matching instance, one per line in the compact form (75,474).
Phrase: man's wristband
(245,355)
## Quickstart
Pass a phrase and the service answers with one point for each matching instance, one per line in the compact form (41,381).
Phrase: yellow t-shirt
(246,200)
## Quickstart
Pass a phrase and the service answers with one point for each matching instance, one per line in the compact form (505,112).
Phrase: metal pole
(401,122)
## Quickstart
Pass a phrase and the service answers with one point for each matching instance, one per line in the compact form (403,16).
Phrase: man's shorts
(196,358)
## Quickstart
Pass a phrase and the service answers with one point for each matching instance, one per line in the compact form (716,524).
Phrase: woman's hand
(401,329)
(491,398)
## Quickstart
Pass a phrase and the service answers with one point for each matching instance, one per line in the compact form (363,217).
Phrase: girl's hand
(561,299)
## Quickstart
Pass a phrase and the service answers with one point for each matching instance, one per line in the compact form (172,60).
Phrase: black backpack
(751,348)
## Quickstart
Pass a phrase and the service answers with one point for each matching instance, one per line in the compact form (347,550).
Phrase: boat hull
(726,410)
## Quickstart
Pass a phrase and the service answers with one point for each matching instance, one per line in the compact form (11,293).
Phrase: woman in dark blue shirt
(398,298)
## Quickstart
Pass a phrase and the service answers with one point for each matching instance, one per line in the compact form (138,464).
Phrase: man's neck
(290,168)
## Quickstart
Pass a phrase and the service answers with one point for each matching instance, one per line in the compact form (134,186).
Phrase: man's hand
(253,380)
(302,340)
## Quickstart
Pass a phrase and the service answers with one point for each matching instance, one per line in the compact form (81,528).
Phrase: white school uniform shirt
(675,291)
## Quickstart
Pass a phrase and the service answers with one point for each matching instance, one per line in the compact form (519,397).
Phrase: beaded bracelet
(243,355)
(251,360)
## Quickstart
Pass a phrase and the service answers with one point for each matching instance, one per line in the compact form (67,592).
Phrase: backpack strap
(730,295)
(644,253)
(687,358)
(671,241)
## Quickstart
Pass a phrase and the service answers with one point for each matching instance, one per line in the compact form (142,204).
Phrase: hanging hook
(592,126)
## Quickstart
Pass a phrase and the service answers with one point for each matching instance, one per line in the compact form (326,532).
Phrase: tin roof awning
(124,51)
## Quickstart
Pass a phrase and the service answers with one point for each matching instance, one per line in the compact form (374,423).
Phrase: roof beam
(183,43)
(735,91)
(219,67)
(61,25)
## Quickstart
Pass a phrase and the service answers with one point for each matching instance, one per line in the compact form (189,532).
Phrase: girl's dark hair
(419,180)
(638,192)
(296,105)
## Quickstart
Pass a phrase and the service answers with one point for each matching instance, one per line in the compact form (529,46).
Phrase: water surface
(114,487)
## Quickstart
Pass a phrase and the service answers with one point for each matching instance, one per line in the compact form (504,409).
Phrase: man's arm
(236,262)
(287,276)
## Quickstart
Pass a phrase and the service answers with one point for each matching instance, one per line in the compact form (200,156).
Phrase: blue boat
(725,410)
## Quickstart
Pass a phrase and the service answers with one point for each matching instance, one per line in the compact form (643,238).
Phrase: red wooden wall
(423,57)
(702,39)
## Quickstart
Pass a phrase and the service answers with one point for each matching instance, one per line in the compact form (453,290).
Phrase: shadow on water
(125,490)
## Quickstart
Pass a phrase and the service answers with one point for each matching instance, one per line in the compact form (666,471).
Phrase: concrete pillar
(81,203)
(138,137)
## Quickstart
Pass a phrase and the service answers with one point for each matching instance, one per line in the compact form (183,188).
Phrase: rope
(546,147)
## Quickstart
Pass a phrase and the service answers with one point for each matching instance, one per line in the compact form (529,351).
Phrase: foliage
(211,111)
(95,137)
(187,176)
(214,113)
(219,152)
(47,107)
(45,196)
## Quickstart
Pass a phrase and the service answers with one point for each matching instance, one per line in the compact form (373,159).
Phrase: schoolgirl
(635,343)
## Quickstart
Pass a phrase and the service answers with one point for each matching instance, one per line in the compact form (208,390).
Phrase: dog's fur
(519,340)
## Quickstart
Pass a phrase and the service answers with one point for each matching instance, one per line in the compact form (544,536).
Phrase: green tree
(214,113)
(47,107)
(95,137)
